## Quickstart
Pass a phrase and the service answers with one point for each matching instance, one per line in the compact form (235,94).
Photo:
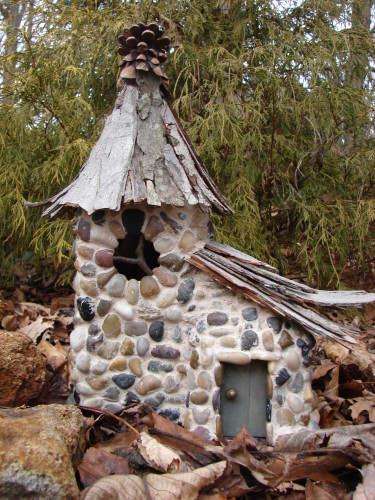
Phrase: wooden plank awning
(289,299)
(143,154)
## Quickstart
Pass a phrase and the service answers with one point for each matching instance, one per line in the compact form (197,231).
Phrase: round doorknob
(231,393)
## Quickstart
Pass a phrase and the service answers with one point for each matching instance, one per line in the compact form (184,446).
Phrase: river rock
(267,338)
(147,384)
(165,351)
(127,347)
(116,286)
(117,229)
(177,334)
(118,364)
(108,350)
(111,326)
(83,362)
(84,228)
(104,258)
(135,328)
(112,394)
(217,318)
(103,307)
(285,340)
(22,370)
(173,314)
(185,291)
(187,241)
(85,251)
(282,376)
(93,340)
(293,360)
(199,397)
(130,398)
(201,416)
(153,228)
(157,366)
(86,308)
(171,384)
(171,413)
(165,276)
(39,448)
(249,339)
(250,313)
(163,244)
(78,338)
(124,380)
(204,380)
(296,383)
(88,269)
(173,261)
(275,323)
(149,287)
(103,278)
(132,291)
(142,346)
(135,366)
(89,287)
(156,331)
(167,297)
(155,400)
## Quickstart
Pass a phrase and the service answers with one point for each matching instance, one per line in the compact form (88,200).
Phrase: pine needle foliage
(276,96)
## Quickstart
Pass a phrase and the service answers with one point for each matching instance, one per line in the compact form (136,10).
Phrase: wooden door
(243,399)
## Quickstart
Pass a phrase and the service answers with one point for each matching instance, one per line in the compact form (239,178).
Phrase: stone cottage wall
(163,339)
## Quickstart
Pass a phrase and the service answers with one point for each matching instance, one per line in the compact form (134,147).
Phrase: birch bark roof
(143,154)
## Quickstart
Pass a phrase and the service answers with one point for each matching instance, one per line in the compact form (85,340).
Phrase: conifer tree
(276,96)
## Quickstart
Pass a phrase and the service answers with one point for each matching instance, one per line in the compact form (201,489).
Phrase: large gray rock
(39,448)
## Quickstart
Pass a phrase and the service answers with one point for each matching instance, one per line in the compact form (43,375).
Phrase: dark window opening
(135,257)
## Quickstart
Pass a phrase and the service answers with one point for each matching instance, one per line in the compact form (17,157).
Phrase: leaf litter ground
(140,454)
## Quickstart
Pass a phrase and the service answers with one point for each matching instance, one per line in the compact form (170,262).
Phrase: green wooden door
(243,399)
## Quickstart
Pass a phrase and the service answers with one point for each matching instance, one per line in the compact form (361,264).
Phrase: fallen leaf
(322,370)
(158,456)
(36,329)
(366,490)
(364,405)
(241,441)
(99,463)
(10,322)
(181,486)
(324,491)
(55,357)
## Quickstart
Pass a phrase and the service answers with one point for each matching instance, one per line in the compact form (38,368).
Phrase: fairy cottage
(206,335)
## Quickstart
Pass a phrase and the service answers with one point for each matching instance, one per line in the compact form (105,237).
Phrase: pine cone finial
(143,48)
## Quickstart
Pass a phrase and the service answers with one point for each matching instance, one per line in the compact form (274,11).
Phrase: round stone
(296,383)
(99,368)
(220,331)
(187,241)
(280,395)
(124,380)
(112,394)
(219,375)
(131,398)
(204,381)
(103,278)
(157,366)
(163,244)
(216,402)
(267,338)
(282,376)
(177,334)
(165,276)
(201,416)
(269,387)
(111,326)
(199,397)
(142,346)
(86,308)
(127,347)
(84,228)
(165,351)
(85,252)
(190,379)
(293,360)
(149,287)
(194,359)
(153,228)
(135,328)
(294,403)
(94,402)
(236,358)
(166,298)
(97,383)
(78,338)
(285,417)
(123,310)
(117,229)
(84,389)
(108,350)
(173,315)
(83,362)
(132,292)
(104,258)
(156,331)
(228,342)
(93,341)
(135,366)
(116,286)
(217,318)
(173,261)
(89,287)
(285,340)
(275,323)
(185,291)
(249,339)
(172,414)
(147,384)
(201,326)
(155,400)
(94,328)
(118,364)
(146,310)
(308,395)
(88,269)
(250,313)
(103,307)
(171,384)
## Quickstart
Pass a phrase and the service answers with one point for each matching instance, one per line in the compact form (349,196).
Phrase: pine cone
(144,49)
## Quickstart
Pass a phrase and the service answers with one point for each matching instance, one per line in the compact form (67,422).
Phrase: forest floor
(145,453)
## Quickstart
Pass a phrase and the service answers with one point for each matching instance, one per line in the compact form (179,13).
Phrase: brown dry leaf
(10,322)
(366,490)
(157,455)
(241,441)
(324,491)
(331,389)
(6,308)
(358,354)
(361,405)
(99,463)
(182,486)
(56,355)
(322,370)
(36,329)
(61,302)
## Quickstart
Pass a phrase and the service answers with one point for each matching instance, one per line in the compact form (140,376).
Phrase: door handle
(231,393)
